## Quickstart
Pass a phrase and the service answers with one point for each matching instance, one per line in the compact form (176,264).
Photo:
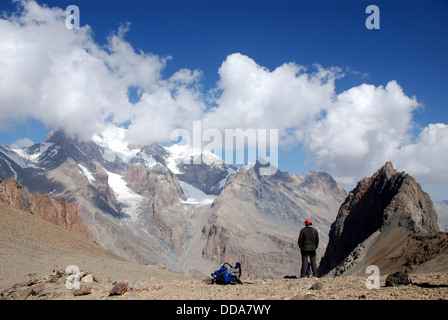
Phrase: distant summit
(383,221)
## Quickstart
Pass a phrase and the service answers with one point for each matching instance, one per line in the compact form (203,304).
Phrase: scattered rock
(425,286)
(88,278)
(398,279)
(317,286)
(54,278)
(61,272)
(119,288)
(58,274)
(84,290)
(16,294)
(309,296)
(21,294)
(38,289)
(32,279)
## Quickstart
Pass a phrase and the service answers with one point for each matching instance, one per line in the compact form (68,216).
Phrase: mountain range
(154,204)
(151,204)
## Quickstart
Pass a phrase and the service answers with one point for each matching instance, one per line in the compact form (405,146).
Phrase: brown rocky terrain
(31,245)
(36,253)
(160,285)
(387,221)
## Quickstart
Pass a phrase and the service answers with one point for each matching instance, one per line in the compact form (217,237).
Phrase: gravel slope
(29,244)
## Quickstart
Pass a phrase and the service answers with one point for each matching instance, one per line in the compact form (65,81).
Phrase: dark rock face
(203,176)
(398,279)
(385,201)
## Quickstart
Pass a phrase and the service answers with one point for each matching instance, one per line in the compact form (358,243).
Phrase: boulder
(398,279)
(317,286)
(82,291)
(119,288)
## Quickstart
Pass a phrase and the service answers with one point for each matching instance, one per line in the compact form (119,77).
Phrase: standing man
(308,243)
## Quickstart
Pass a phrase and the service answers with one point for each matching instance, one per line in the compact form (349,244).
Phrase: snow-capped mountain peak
(113,144)
(184,154)
(35,152)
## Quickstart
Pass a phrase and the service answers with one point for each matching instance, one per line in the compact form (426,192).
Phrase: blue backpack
(228,274)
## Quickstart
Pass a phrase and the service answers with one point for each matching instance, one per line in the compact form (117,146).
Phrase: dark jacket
(308,239)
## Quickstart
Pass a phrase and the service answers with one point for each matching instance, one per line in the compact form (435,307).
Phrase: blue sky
(411,48)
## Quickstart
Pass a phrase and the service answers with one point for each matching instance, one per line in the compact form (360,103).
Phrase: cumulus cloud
(62,78)
(364,128)
(350,134)
(65,80)
(251,96)
(426,157)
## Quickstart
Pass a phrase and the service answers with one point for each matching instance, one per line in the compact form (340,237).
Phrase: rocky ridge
(60,213)
(388,221)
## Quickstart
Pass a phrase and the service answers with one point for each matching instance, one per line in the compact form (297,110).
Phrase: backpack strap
(238,266)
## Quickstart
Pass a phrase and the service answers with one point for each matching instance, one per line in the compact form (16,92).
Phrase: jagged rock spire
(387,200)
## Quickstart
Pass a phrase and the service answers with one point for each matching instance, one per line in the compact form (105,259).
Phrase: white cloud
(426,157)
(65,80)
(363,129)
(349,135)
(251,96)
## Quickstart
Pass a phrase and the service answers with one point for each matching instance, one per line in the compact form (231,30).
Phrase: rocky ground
(193,286)
(35,254)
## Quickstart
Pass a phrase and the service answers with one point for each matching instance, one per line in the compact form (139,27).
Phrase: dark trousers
(312,257)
